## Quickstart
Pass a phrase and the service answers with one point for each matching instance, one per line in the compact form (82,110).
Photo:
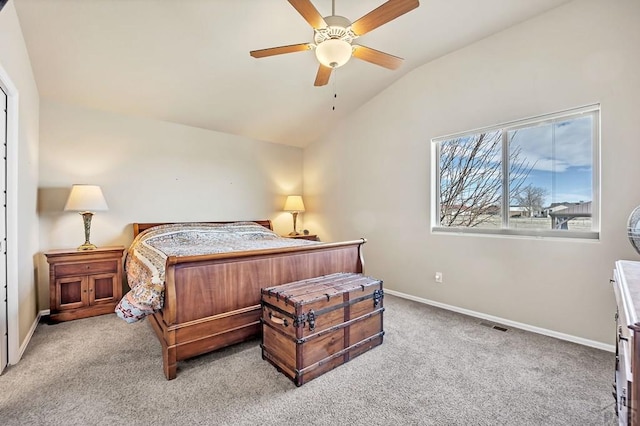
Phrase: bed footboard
(213,301)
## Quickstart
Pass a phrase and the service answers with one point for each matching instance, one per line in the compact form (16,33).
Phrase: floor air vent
(494,326)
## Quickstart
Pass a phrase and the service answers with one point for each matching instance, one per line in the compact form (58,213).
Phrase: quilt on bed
(146,257)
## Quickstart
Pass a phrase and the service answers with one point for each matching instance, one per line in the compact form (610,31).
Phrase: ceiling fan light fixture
(334,52)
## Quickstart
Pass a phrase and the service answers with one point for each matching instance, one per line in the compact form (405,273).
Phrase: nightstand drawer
(75,269)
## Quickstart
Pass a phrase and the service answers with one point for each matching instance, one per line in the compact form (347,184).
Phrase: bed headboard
(139,227)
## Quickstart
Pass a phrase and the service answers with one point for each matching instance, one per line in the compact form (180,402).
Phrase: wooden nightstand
(84,283)
(303,237)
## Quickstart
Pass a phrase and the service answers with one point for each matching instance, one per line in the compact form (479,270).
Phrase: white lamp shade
(333,53)
(294,204)
(86,198)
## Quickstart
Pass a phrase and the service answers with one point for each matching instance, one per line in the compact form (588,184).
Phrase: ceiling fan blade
(322,78)
(280,50)
(309,13)
(377,57)
(383,14)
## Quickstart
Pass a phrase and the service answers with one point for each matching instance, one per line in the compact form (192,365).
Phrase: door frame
(13,304)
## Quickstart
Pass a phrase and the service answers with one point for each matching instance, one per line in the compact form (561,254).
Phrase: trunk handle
(278,320)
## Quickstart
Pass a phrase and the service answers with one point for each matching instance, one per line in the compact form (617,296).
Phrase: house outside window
(533,177)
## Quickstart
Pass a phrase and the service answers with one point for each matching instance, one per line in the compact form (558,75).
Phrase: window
(536,177)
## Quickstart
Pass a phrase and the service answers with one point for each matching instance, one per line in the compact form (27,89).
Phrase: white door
(4,341)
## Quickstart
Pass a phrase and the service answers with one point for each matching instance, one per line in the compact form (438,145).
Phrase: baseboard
(32,330)
(522,326)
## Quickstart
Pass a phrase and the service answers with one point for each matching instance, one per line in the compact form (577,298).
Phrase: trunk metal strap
(300,320)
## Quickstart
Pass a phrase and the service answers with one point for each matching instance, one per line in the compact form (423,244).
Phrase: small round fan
(634,228)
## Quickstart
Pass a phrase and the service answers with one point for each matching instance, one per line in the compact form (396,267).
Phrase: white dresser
(626,285)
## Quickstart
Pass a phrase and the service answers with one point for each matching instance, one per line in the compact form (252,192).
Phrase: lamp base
(295,218)
(86,219)
(87,246)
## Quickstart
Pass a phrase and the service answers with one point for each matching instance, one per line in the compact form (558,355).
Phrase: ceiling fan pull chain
(335,90)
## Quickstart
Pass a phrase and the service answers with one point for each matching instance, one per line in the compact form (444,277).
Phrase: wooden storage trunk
(312,326)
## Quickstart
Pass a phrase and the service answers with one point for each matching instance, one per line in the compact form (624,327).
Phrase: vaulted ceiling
(188,61)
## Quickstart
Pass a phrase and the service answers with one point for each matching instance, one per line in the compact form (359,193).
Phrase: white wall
(371,177)
(23,157)
(153,171)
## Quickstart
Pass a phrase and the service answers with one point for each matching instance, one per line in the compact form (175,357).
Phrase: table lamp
(294,205)
(84,199)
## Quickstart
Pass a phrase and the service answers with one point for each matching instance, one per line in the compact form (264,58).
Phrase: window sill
(530,234)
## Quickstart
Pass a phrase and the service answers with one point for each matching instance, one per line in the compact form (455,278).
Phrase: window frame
(593,110)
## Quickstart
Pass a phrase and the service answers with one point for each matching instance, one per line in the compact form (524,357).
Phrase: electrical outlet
(438,277)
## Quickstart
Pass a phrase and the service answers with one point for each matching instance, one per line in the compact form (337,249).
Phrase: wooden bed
(213,301)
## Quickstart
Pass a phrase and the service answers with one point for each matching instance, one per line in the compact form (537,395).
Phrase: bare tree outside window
(532,199)
(470,170)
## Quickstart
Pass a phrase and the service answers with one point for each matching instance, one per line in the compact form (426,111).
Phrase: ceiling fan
(334,35)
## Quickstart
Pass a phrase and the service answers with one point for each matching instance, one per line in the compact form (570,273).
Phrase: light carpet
(435,367)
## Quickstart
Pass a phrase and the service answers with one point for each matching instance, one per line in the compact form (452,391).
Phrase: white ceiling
(188,61)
